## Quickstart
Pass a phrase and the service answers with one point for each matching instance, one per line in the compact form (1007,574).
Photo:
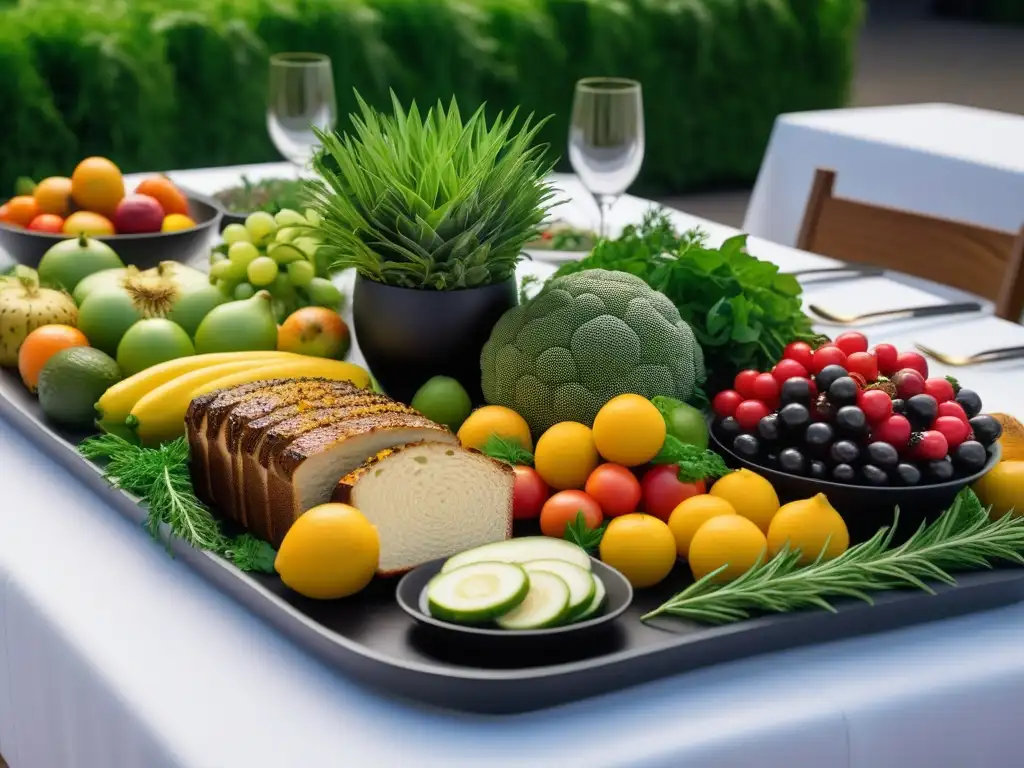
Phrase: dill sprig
(962,538)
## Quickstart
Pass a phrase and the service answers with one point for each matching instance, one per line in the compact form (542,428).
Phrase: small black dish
(143,251)
(411,595)
(865,508)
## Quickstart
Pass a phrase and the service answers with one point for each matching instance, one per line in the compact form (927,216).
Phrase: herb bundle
(962,538)
(160,477)
(742,310)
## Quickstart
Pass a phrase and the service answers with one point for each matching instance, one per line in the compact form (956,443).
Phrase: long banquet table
(115,655)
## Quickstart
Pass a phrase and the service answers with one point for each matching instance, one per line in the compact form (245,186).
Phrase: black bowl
(412,598)
(865,508)
(143,251)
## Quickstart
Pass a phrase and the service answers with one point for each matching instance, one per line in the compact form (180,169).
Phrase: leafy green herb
(962,538)
(525,285)
(954,383)
(742,310)
(695,463)
(587,539)
(270,195)
(160,477)
(508,451)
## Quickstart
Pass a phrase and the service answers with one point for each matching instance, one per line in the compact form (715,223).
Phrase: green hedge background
(154,88)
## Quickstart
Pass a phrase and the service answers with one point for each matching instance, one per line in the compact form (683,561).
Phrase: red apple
(314,331)
(138,214)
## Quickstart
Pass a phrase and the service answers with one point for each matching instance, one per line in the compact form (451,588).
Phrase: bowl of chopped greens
(561,241)
(270,195)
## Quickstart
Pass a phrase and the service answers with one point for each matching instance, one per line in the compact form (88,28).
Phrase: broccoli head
(585,338)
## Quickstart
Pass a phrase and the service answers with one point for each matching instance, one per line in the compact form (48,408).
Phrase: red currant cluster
(850,415)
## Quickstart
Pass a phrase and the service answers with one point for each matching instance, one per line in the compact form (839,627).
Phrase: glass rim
(612,84)
(299,59)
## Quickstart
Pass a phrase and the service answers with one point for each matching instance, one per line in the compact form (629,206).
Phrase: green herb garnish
(508,451)
(695,463)
(250,554)
(587,539)
(962,538)
(954,383)
(270,195)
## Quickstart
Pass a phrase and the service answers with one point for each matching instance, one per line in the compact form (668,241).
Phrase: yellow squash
(304,367)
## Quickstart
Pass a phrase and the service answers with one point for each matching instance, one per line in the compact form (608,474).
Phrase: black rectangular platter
(371,640)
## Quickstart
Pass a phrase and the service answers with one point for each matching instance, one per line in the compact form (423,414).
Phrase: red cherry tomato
(561,510)
(787,368)
(744,383)
(908,383)
(851,342)
(528,494)
(914,361)
(895,430)
(940,389)
(827,355)
(662,490)
(933,446)
(953,408)
(887,355)
(766,388)
(800,351)
(47,222)
(863,363)
(615,488)
(954,430)
(725,402)
(877,405)
(749,412)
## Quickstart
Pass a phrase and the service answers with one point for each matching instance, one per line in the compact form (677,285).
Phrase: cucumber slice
(546,604)
(581,584)
(477,592)
(596,602)
(521,551)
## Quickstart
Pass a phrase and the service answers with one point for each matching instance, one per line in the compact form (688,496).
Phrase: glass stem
(604,205)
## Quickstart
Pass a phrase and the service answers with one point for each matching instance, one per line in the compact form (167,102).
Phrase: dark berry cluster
(845,414)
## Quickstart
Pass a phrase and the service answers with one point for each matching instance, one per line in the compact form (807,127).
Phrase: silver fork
(932,310)
(985,356)
(847,270)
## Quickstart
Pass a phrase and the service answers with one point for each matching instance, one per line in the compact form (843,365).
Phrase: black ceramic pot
(408,335)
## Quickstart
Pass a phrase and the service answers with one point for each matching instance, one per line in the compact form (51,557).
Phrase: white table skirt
(955,162)
(114,655)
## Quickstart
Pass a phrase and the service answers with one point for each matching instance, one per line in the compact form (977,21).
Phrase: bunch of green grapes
(277,253)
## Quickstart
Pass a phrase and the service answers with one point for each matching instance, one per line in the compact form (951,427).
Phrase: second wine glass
(606,138)
(301,97)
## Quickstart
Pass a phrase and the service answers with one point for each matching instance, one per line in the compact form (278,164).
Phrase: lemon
(726,540)
(566,455)
(808,525)
(641,547)
(330,552)
(691,514)
(629,430)
(1003,488)
(175,222)
(477,429)
(751,496)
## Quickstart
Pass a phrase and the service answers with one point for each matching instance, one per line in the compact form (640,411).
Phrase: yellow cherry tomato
(566,455)
(629,430)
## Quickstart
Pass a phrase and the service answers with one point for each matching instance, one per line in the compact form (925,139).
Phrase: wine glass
(606,138)
(301,96)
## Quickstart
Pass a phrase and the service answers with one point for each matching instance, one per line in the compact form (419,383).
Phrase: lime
(72,381)
(444,400)
(686,424)
(151,341)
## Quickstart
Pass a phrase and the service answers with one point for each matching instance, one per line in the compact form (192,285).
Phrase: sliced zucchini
(596,601)
(580,582)
(546,604)
(477,592)
(521,551)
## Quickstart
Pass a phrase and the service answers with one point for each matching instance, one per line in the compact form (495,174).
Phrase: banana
(307,367)
(117,402)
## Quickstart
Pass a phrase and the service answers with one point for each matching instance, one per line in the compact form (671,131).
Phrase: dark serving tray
(369,638)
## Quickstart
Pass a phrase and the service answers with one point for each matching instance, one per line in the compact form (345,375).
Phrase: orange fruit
(21,210)
(47,222)
(88,223)
(42,344)
(5,211)
(54,195)
(97,185)
(175,222)
(168,195)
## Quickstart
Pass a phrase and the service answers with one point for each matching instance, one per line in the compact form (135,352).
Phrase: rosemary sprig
(962,538)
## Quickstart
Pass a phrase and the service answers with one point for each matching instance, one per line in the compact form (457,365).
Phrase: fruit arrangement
(277,253)
(93,202)
(848,415)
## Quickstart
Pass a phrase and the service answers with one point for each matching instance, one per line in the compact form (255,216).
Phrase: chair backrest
(986,262)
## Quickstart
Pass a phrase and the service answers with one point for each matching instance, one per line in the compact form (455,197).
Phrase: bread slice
(306,471)
(263,437)
(430,500)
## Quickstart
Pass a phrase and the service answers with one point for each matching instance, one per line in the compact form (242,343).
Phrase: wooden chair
(986,262)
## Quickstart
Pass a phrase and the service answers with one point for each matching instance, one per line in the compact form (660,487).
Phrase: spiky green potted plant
(432,212)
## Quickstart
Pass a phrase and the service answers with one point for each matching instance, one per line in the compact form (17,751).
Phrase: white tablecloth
(945,160)
(113,655)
